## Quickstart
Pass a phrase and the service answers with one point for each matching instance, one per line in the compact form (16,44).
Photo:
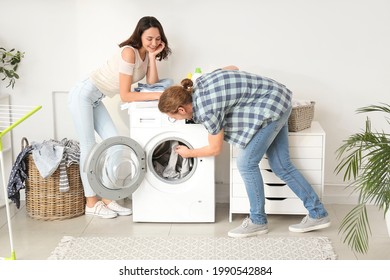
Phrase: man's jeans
(272,140)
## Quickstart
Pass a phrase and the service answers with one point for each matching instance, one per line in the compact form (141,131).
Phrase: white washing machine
(164,187)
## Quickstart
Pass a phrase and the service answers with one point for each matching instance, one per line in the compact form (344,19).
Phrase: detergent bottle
(197,74)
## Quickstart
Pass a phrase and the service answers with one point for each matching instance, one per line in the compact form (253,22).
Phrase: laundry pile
(168,164)
(48,156)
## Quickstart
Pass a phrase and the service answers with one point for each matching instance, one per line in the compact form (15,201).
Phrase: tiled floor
(35,239)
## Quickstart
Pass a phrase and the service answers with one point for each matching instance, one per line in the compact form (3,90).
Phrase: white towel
(298,103)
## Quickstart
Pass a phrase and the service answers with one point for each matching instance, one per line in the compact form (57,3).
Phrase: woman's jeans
(272,140)
(89,115)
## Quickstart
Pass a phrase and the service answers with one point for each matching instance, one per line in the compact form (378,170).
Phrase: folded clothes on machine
(159,86)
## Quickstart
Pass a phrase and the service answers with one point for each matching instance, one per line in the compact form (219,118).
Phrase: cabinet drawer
(270,190)
(300,163)
(283,206)
(305,141)
(295,152)
(313,144)
(305,152)
(314,177)
(279,206)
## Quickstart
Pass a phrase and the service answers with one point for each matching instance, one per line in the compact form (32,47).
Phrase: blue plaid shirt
(238,102)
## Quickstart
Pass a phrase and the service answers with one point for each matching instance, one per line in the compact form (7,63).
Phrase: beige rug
(193,248)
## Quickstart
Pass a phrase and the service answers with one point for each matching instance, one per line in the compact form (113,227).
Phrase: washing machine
(164,187)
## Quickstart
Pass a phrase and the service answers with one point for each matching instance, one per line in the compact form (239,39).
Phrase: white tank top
(106,78)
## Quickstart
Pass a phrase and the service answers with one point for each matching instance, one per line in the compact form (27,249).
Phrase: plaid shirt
(238,102)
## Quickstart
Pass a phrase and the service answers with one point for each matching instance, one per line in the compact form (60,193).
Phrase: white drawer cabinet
(307,150)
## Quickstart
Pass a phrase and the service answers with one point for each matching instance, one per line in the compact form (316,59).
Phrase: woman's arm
(152,74)
(125,82)
(213,149)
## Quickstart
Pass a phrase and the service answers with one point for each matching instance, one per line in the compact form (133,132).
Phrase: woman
(250,112)
(135,58)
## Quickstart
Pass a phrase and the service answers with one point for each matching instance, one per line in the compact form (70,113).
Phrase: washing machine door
(115,167)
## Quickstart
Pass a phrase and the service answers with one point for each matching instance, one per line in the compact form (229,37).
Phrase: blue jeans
(272,140)
(89,115)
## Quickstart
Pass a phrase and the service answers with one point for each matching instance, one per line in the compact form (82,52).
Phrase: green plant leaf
(9,63)
(365,160)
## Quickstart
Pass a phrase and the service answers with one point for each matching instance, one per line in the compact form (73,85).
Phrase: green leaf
(364,158)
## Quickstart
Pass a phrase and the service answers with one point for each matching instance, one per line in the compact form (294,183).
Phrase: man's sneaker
(120,210)
(309,224)
(247,229)
(100,210)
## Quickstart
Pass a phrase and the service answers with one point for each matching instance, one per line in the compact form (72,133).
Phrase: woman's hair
(143,24)
(176,96)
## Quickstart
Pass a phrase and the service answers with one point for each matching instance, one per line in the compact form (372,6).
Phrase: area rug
(193,248)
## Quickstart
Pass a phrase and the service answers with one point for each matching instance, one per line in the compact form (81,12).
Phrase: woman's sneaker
(100,210)
(247,229)
(120,210)
(310,224)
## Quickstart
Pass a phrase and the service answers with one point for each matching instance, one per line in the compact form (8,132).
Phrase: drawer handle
(143,120)
(269,170)
(276,198)
(275,184)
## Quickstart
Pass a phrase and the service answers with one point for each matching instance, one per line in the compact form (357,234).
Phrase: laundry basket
(44,201)
(301,117)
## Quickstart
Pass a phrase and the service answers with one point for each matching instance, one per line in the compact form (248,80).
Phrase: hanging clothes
(18,176)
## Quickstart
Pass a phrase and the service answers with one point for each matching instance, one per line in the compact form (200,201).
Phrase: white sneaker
(100,210)
(120,210)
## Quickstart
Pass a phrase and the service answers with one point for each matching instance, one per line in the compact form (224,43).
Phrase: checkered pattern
(239,102)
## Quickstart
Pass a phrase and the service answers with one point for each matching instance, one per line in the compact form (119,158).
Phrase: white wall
(333,52)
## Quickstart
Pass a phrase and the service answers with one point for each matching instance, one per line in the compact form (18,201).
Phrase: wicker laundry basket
(301,117)
(44,201)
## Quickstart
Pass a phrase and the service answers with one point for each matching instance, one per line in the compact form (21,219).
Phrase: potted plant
(365,159)
(9,62)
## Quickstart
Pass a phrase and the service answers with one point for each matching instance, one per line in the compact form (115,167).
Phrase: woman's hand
(157,50)
(183,151)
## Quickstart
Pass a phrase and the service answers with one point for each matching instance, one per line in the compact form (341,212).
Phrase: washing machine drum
(115,167)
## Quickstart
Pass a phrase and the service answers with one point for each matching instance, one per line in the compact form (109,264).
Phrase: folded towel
(298,103)
(159,86)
